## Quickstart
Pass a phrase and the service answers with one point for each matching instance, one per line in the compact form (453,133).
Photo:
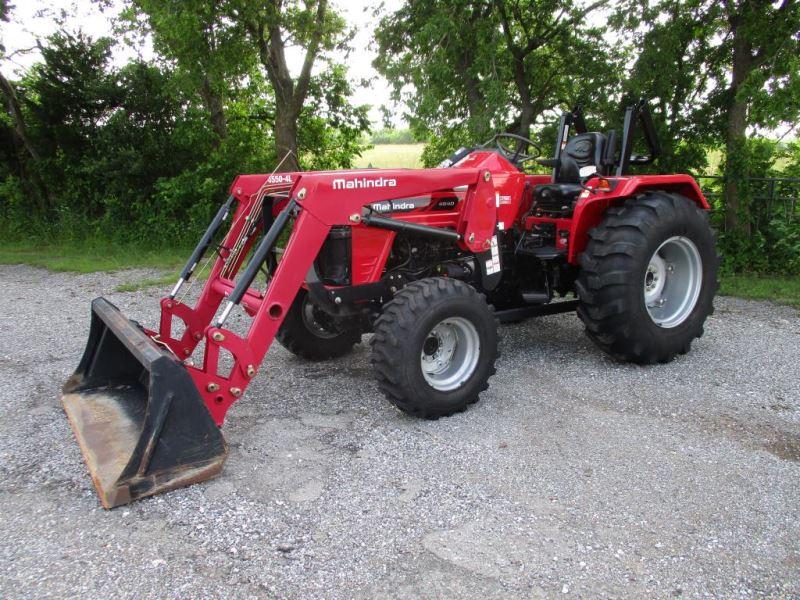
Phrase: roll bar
(638,113)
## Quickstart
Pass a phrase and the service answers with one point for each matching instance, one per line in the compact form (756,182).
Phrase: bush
(773,243)
(127,155)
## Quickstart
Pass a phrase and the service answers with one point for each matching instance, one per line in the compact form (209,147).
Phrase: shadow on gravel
(758,436)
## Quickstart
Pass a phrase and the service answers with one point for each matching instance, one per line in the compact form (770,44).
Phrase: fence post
(771,202)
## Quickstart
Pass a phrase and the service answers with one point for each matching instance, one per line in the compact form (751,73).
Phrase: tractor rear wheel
(648,278)
(311,333)
(434,347)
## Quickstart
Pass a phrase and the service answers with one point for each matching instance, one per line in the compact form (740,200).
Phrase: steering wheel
(515,156)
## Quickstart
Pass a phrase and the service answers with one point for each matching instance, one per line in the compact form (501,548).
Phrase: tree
(762,41)
(210,51)
(675,63)
(21,139)
(105,136)
(440,50)
(70,93)
(477,66)
(221,44)
(272,26)
(718,70)
(546,48)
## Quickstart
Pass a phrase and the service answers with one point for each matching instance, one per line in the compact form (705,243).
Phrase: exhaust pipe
(141,424)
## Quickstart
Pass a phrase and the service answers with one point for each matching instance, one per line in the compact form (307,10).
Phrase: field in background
(392,156)
(407,156)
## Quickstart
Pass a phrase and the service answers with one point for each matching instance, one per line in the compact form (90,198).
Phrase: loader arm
(321,201)
(135,401)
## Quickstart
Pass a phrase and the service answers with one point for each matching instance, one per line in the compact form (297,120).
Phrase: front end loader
(427,260)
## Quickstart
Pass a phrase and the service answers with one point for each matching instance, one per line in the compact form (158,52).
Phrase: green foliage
(137,154)
(792,155)
(773,244)
(330,129)
(210,52)
(469,68)
(107,139)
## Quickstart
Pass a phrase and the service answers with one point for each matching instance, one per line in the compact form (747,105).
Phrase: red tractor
(428,260)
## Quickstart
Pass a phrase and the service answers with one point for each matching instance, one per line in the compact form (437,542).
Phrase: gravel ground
(575,476)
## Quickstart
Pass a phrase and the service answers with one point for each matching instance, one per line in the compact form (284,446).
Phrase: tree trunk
(476,101)
(736,214)
(290,95)
(286,138)
(518,54)
(527,111)
(14,111)
(22,141)
(215,107)
(526,115)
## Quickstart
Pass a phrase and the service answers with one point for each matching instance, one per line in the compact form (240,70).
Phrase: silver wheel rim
(672,281)
(450,354)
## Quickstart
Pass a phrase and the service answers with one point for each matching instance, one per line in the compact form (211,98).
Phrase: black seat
(582,157)
(556,197)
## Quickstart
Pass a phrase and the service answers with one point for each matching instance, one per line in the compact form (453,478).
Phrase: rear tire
(648,278)
(310,333)
(434,347)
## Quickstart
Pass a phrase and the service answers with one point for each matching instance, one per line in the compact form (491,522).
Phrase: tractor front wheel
(648,278)
(434,347)
(309,332)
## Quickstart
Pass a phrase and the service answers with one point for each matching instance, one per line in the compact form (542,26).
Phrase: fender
(591,208)
(685,185)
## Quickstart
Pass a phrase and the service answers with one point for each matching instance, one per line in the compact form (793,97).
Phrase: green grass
(142,284)
(781,290)
(392,156)
(90,257)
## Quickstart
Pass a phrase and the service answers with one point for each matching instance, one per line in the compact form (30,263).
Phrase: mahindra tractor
(428,261)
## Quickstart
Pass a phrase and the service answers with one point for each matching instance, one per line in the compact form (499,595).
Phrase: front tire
(310,333)
(434,347)
(648,278)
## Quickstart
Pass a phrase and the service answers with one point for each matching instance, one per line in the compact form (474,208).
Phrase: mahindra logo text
(363,182)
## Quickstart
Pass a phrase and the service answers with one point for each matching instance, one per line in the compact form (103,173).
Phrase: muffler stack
(141,423)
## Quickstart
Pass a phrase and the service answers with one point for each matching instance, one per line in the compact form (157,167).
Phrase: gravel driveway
(575,476)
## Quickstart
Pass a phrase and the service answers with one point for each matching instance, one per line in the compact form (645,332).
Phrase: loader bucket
(140,422)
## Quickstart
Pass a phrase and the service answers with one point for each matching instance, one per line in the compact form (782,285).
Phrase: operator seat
(582,157)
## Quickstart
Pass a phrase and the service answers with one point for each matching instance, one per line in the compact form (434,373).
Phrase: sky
(32,19)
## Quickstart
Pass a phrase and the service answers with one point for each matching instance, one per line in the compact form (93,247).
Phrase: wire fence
(771,198)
